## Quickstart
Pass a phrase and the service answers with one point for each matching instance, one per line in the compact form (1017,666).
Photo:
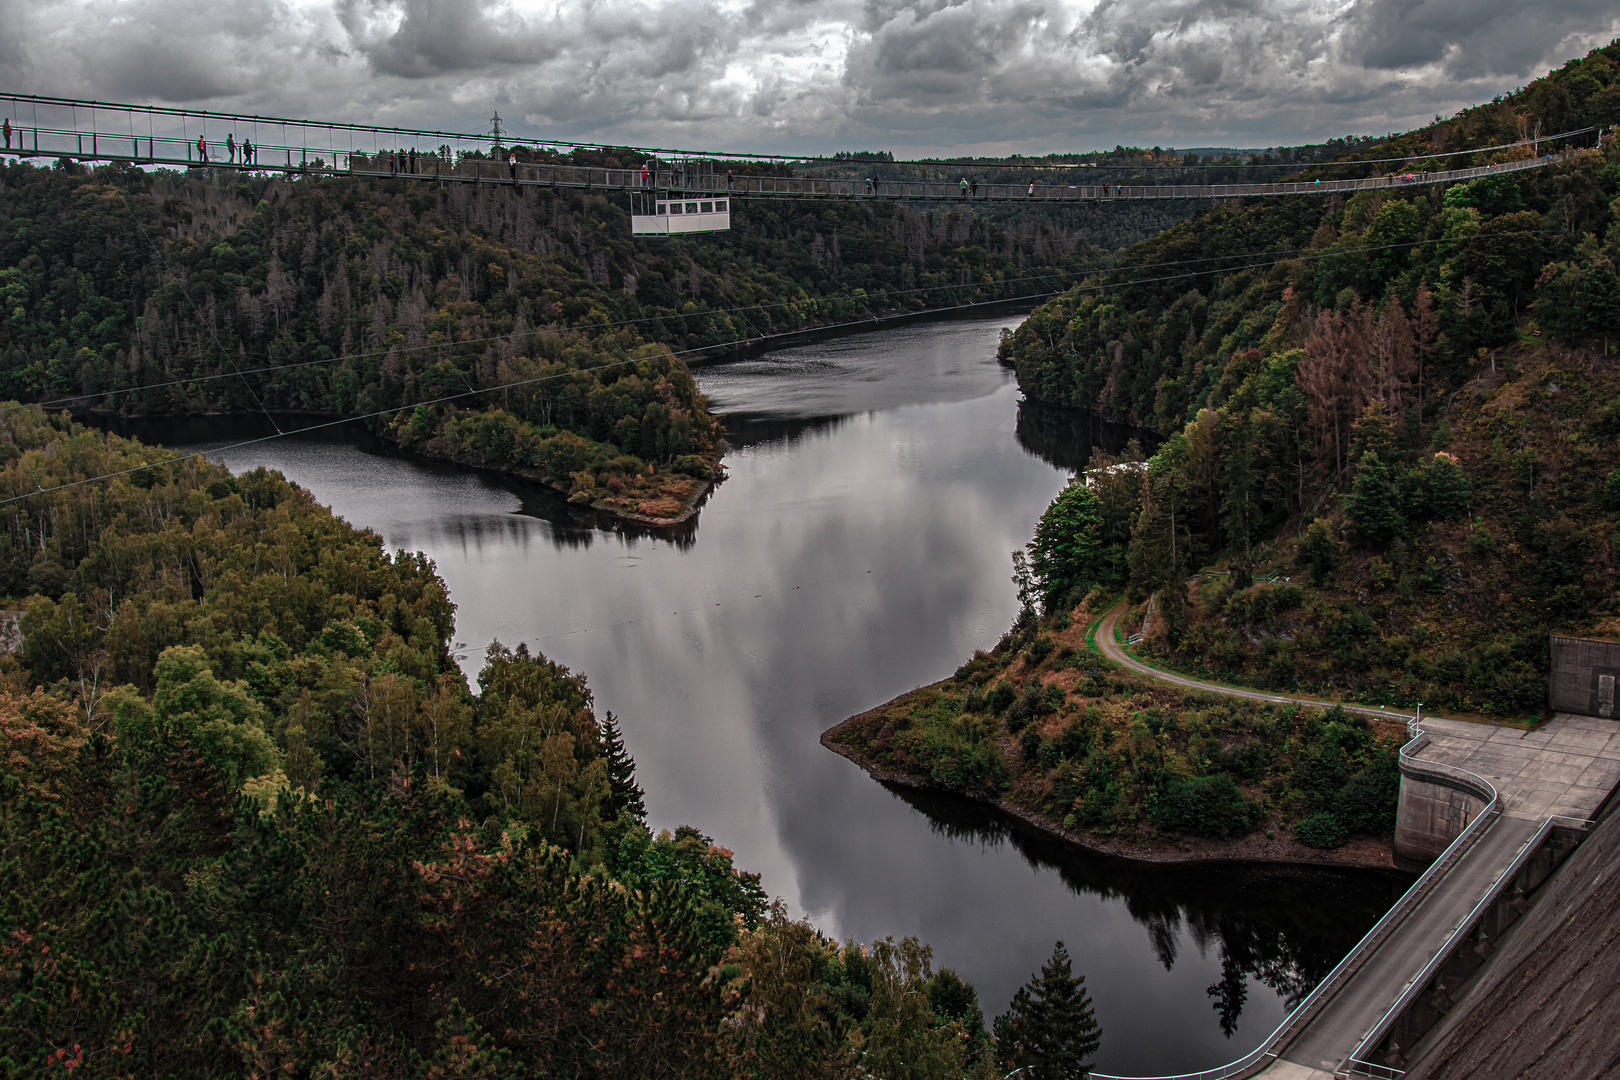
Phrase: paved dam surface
(1565,768)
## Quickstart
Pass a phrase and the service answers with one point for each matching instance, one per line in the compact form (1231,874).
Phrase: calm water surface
(859,548)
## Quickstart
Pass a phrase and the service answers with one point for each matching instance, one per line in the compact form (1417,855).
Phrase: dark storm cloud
(906,74)
(419,38)
(1493,37)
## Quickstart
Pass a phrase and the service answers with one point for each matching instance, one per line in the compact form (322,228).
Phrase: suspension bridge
(146,136)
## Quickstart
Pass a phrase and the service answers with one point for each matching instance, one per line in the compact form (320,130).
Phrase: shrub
(1248,760)
(1322,829)
(1318,550)
(1480,540)
(1001,696)
(1030,744)
(1203,806)
(1611,491)
(1030,704)
(692,465)
(1367,803)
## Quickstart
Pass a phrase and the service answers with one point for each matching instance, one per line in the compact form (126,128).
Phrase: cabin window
(691,208)
(720,206)
(674,207)
(708,208)
(663,208)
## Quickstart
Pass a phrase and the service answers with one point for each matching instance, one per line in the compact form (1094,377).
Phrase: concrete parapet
(1431,814)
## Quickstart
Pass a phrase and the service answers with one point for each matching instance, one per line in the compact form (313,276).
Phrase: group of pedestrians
(970,188)
(407,161)
(249,152)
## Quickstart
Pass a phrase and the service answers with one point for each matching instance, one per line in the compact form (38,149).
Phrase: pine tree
(1598,303)
(1374,504)
(1050,1028)
(1449,488)
(624,793)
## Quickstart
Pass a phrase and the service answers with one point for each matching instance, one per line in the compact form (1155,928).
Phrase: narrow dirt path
(1115,652)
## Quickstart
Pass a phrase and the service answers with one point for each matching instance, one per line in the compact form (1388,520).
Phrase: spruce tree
(1449,489)
(623,791)
(1374,504)
(1050,1028)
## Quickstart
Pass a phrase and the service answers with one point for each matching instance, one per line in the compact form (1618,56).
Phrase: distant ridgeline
(1408,400)
(349,297)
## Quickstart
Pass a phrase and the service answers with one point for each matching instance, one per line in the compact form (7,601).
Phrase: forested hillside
(1392,466)
(1407,406)
(252,823)
(548,341)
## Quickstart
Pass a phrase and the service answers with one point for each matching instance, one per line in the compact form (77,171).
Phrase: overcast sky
(988,76)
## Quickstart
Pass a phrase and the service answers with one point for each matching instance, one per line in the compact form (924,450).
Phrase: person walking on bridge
(1032,189)
(247,152)
(964,186)
(973,187)
(7,129)
(731,183)
(644,174)
(202,148)
(511,164)
(230,146)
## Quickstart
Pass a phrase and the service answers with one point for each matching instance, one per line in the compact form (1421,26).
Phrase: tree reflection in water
(1067,437)
(1286,926)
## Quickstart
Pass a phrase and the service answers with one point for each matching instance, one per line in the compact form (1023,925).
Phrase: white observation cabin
(686,197)
(673,214)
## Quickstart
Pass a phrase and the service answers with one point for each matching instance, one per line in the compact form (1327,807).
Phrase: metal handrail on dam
(1358,1062)
(1304,1012)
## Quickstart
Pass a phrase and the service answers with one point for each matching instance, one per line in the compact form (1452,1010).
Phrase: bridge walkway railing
(330,160)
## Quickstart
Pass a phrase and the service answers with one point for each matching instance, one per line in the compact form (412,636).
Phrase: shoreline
(1255,848)
(689,505)
(109,420)
(336,424)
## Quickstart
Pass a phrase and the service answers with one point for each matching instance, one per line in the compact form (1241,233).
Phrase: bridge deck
(35,143)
